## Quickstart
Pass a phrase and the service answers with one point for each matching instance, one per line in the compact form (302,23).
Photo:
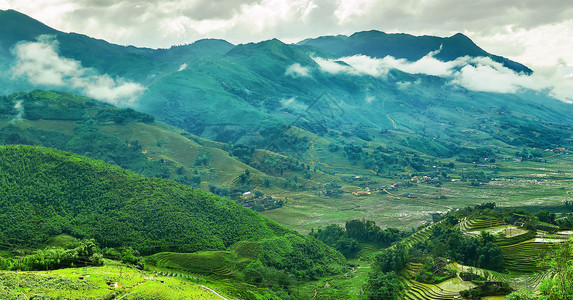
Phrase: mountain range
(321,109)
(216,159)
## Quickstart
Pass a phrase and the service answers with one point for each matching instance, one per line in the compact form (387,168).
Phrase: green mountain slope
(123,137)
(47,192)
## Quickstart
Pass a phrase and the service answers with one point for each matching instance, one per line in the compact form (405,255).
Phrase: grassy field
(517,184)
(111,281)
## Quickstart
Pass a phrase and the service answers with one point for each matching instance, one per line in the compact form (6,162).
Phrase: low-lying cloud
(473,73)
(297,70)
(41,65)
(294,104)
(20,109)
(182,67)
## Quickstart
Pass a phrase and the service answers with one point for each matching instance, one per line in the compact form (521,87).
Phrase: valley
(337,167)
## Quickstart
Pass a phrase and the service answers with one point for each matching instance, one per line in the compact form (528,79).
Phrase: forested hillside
(47,192)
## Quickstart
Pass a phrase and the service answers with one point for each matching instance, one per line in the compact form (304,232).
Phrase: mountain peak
(15,26)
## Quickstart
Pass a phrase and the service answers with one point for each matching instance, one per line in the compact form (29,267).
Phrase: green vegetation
(89,199)
(346,240)
(110,281)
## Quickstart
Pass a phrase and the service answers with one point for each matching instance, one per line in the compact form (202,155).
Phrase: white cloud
(182,67)
(348,9)
(20,109)
(476,74)
(353,65)
(40,63)
(545,45)
(362,64)
(292,103)
(296,70)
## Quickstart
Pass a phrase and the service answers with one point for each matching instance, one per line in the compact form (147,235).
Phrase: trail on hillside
(210,290)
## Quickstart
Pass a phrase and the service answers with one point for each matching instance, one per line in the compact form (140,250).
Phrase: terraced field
(520,248)
(220,263)
(523,257)
(418,291)
(419,236)
(474,225)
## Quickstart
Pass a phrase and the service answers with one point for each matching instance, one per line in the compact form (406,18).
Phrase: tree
(560,262)
(384,286)
(521,295)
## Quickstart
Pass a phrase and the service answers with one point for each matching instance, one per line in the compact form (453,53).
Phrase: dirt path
(210,290)
(393,123)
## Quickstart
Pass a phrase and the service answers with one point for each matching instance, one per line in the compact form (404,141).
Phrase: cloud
(292,103)
(473,73)
(296,70)
(362,64)
(182,67)
(20,109)
(353,65)
(40,64)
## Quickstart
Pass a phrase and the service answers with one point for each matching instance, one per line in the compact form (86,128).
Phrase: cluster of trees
(533,134)
(451,243)
(390,160)
(87,253)
(305,257)
(383,281)
(476,177)
(478,155)
(123,116)
(346,239)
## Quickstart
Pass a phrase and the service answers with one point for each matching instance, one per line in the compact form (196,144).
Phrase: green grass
(113,280)
(63,241)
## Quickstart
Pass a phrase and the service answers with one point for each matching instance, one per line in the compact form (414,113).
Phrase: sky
(535,33)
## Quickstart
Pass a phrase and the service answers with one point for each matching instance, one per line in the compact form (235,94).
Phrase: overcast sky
(536,33)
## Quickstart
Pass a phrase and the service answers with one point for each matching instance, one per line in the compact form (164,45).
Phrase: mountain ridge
(379,44)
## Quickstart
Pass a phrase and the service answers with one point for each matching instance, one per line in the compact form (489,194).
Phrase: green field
(517,184)
(111,281)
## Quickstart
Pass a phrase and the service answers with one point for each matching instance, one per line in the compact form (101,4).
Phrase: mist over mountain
(248,94)
(378,44)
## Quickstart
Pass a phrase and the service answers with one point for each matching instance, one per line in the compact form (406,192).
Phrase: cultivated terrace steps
(421,291)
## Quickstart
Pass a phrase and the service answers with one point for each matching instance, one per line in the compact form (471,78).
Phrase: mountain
(303,119)
(133,141)
(399,45)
